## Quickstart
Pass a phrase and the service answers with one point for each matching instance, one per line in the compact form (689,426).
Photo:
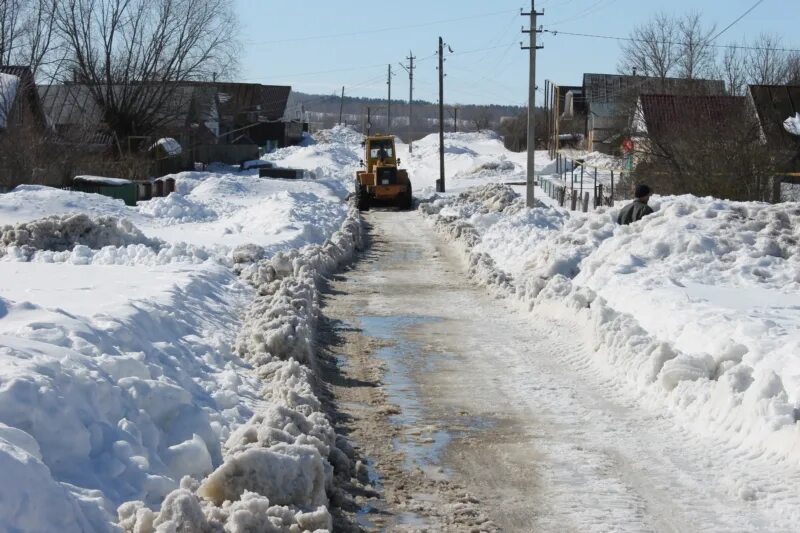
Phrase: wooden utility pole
(341,105)
(440,181)
(532,47)
(389,101)
(546,111)
(410,70)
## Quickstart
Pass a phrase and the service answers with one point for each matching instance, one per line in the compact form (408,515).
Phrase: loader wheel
(407,199)
(362,198)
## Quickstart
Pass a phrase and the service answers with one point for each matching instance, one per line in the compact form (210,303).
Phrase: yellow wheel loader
(382,181)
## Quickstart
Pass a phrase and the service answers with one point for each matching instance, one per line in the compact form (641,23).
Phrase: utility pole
(389,102)
(410,70)
(440,182)
(532,47)
(341,105)
(369,121)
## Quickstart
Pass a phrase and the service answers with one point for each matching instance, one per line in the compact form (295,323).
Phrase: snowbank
(694,308)
(123,369)
(278,466)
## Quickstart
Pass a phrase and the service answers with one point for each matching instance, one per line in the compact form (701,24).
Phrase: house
(609,101)
(23,128)
(19,102)
(772,105)
(212,121)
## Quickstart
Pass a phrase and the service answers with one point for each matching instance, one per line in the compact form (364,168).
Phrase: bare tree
(767,65)
(695,55)
(733,70)
(652,48)
(39,41)
(135,54)
(10,29)
(793,69)
(27,32)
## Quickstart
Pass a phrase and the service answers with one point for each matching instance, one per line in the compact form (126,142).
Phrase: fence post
(561,192)
(573,201)
(598,199)
(611,201)
(581,179)
(585,202)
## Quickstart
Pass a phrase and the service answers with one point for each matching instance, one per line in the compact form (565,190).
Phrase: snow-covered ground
(123,365)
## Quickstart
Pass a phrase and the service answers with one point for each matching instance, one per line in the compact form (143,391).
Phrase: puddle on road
(422,444)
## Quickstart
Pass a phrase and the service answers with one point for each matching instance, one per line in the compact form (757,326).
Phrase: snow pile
(499,168)
(177,209)
(118,395)
(695,307)
(334,156)
(21,461)
(601,160)
(62,233)
(470,159)
(279,466)
(792,124)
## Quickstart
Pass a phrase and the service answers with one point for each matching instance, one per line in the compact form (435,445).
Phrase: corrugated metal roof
(773,105)
(73,104)
(615,87)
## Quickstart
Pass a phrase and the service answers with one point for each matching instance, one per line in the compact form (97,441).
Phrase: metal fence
(577,185)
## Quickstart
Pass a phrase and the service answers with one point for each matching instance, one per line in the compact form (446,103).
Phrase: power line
(585,13)
(379,30)
(729,26)
(632,39)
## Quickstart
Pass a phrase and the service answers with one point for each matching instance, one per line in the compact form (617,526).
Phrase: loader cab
(380,151)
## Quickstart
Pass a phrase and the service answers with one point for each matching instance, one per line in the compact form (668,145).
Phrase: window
(380,149)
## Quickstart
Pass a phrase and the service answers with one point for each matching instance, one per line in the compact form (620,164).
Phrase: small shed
(125,190)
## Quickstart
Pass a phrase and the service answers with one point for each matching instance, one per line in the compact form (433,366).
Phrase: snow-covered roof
(792,124)
(169,145)
(8,93)
(102,180)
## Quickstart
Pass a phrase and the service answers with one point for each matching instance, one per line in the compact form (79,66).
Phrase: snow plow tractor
(383,182)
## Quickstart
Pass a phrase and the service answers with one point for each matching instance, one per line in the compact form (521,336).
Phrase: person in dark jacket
(638,208)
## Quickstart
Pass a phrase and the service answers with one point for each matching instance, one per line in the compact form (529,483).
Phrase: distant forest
(322,111)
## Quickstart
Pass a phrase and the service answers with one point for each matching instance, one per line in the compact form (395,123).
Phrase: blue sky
(317,46)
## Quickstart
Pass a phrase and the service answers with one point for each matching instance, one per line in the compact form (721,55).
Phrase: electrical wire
(378,30)
(729,26)
(633,39)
